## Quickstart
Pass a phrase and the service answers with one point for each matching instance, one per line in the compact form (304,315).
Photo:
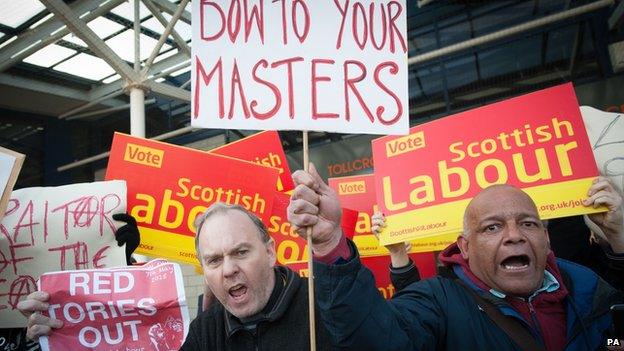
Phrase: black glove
(127,234)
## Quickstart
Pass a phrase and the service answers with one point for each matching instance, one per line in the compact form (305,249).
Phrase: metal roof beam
(171,8)
(49,32)
(97,45)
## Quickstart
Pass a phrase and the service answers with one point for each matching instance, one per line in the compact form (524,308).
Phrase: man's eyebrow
(209,257)
(239,247)
(503,217)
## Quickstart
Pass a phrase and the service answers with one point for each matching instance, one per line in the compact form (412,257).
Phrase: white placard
(56,228)
(324,65)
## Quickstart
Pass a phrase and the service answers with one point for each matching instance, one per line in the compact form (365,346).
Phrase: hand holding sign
(610,223)
(38,324)
(314,204)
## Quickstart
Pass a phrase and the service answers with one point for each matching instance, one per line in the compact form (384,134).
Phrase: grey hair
(220,207)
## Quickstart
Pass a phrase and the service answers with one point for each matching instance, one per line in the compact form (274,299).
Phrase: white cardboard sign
(338,66)
(56,228)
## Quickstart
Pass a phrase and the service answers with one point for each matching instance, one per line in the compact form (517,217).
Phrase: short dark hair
(221,207)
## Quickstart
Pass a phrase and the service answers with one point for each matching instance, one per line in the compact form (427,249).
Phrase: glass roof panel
(72,38)
(41,21)
(86,66)
(180,71)
(166,54)
(111,79)
(104,27)
(123,45)
(126,10)
(49,55)
(182,28)
(14,13)
(101,26)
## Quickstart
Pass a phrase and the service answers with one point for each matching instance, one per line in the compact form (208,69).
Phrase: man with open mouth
(260,306)
(503,289)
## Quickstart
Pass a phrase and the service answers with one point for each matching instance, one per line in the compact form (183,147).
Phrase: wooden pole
(306,162)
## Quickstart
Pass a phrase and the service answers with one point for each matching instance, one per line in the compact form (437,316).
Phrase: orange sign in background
(263,148)
(536,142)
(169,185)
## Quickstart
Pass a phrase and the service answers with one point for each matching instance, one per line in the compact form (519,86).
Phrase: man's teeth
(514,267)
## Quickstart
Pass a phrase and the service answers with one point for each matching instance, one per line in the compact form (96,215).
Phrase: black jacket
(284,327)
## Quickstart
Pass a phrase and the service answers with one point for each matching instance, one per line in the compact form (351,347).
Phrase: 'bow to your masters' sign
(313,65)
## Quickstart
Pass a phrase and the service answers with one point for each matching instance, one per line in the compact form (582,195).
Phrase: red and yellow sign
(263,148)
(358,193)
(536,141)
(169,185)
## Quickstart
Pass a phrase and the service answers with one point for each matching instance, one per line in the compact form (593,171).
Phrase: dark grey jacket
(284,327)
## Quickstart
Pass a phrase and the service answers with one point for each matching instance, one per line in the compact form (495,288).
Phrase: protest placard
(10,165)
(56,228)
(358,193)
(606,135)
(536,142)
(336,66)
(169,185)
(130,308)
(263,148)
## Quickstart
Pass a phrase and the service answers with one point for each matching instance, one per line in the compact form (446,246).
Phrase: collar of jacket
(291,284)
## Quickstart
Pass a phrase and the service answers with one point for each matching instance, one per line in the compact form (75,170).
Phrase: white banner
(338,66)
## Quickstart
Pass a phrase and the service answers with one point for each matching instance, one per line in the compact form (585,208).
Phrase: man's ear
(270,246)
(462,243)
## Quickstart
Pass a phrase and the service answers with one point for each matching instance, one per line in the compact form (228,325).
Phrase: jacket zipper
(536,326)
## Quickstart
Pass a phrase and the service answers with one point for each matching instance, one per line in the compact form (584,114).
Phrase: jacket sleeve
(358,318)
(401,277)
(192,340)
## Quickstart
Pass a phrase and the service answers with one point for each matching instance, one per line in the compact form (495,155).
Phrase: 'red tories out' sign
(336,66)
(536,142)
(169,185)
(131,308)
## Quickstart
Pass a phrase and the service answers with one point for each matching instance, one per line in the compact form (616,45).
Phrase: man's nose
(230,267)
(513,233)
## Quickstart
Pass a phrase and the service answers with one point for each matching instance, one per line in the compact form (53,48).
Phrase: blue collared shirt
(549,284)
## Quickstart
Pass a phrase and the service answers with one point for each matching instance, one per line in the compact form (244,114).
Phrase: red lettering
(306,26)
(202,16)
(289,72)
(371,9)
(343,14)
(105,210)
(28,211)
(81,255)
(393,27)
(99,255)
(259,15)
(274,89)
(234,16)
(236,83)
(315,80)
(349,84)
(394,69)
(201,73)
(361,42)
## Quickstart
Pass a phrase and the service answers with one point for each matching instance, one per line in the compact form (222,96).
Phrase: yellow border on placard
(176,247)
(401,227)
